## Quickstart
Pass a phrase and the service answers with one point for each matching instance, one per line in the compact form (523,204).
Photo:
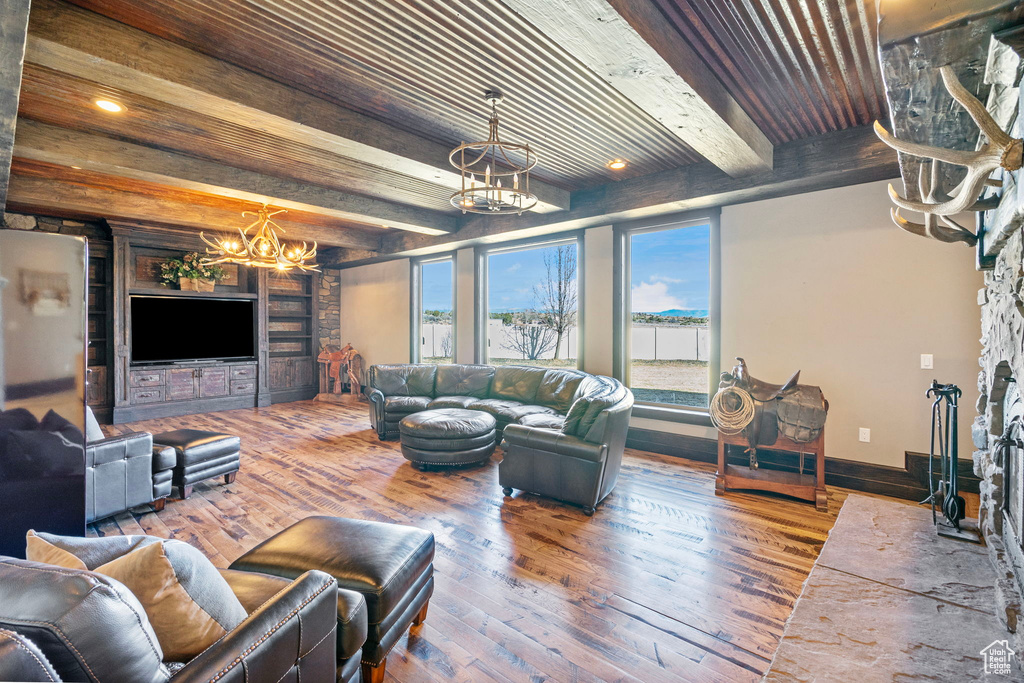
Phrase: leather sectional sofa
(564,430)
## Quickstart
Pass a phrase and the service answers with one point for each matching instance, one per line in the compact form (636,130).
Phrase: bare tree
(556,295)
(446,344)
(529,340)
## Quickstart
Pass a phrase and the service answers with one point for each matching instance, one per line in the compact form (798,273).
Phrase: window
(532,305)
(669,308)
(434,312)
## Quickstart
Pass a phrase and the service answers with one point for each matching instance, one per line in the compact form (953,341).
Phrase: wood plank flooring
(666,582)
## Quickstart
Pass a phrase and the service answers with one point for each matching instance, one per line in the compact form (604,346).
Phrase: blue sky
(437,285)
(669,270)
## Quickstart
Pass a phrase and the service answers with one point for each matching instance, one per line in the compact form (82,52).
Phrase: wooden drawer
(243,386)
(97,386)
(213,382)
(147,395)
(146,378)
(243,372)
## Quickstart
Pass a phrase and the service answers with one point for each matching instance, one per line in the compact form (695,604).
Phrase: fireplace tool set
(945,494)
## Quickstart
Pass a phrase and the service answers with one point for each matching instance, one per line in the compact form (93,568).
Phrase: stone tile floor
(889,599)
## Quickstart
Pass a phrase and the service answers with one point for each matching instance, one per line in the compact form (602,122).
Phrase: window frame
(482,294)
(416,303)
(622,309)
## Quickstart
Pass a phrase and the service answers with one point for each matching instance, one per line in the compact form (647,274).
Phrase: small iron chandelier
(488,187)
(263,249)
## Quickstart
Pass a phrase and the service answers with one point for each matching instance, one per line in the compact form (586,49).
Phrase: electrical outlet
(865,435)
(927,361)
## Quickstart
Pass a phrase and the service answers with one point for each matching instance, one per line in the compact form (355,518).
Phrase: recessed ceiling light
(77,168)
(107,105)
(617,164)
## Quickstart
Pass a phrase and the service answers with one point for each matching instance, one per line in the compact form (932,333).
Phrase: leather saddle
(797,410)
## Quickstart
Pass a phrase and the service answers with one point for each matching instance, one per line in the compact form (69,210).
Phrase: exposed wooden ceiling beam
(32,194)
(42,142)
(846,157)
(631,45)
(84,44)
(13,31)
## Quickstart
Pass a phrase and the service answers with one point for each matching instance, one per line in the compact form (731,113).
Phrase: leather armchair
(89,627)
(124,471)
(579,464)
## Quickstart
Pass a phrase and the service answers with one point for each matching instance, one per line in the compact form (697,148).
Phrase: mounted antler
(935,226)
(1000,150)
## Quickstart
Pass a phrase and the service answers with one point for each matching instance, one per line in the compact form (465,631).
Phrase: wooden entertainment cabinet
(286,315)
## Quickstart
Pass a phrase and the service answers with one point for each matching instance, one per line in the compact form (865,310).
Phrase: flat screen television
(169,329)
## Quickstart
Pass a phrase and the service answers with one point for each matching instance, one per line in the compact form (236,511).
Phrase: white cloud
(653,297)
(514,267)
(665,278)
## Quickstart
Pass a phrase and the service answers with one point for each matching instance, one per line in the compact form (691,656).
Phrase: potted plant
(190,273)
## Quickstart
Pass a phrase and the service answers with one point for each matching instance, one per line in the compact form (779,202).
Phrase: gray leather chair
(125,471)
(579,463)
(83,626)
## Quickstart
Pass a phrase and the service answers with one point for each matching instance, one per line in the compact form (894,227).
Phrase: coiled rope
(732,409)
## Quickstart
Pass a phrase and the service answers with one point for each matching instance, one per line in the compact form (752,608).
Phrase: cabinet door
(213,382)
(303,372)
(281,373)
(181,384)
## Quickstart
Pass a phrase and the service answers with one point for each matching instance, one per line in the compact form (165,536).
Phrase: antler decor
(999,150)
(263,249)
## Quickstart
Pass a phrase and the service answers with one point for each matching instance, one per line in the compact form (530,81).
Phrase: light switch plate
(865,435)
(927,361)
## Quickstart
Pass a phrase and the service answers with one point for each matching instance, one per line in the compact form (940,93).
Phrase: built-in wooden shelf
(204,295)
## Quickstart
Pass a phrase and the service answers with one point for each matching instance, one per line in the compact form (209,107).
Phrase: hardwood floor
(666,582)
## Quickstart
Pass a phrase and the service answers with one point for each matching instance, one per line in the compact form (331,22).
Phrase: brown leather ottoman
(390,564)
(201,455)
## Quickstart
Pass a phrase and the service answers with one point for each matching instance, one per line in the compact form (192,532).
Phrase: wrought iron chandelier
(262,249)
(495,174)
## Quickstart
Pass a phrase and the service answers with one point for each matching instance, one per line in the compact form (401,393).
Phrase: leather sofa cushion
(198,446)
(516,413)
(558,389)
(401,405)
(516,383)
(451,402)
(382,561)
(164,458)
(543,421)
(22,660)
(89,626)
(464,380)
(407,379)
(603,393)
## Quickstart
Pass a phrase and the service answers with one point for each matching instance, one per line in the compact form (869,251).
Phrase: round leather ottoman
(447,436)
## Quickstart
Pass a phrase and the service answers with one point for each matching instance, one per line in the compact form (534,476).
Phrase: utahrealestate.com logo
(998,657)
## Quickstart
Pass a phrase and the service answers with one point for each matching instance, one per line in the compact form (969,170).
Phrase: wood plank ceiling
(418,69)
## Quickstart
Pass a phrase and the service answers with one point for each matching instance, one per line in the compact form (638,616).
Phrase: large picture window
(533,305)
(434,331)
(668,311)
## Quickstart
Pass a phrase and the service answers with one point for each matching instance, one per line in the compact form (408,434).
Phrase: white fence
(649,342)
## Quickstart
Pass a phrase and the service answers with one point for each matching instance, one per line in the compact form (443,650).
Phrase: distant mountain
(684,313)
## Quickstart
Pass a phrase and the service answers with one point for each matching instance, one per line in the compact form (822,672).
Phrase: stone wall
(330,308)
(90,229)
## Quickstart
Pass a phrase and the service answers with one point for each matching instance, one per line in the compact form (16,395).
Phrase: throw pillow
(188,602)
(92,427)
(38,549)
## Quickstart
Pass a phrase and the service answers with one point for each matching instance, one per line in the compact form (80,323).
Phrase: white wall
(598,311)
(465,322)
(375,311)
